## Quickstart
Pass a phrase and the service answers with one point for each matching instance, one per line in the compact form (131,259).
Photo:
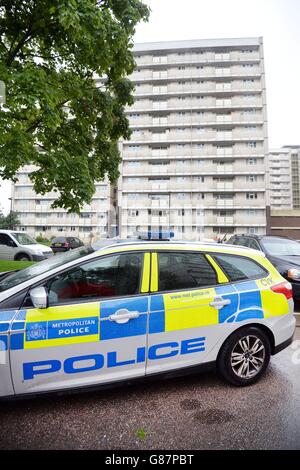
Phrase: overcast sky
(278,21)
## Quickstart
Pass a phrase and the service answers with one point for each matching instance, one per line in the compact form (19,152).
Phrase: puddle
(213,416)
(190,404)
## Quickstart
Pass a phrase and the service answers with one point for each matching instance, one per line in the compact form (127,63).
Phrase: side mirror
(39,297)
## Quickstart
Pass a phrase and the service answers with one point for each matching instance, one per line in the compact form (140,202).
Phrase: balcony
(203,57)
(220,185)
(213,87)
(225,220)
(224,202)
(194,72)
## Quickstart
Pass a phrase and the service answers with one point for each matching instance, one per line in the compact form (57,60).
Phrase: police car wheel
(245,356)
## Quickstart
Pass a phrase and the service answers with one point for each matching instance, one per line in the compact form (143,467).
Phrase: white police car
(135,309)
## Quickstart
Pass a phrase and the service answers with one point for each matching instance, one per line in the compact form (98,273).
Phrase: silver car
(19,246)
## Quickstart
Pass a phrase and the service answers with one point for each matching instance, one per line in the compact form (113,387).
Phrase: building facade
(196,161)
(284,177)
(97,220)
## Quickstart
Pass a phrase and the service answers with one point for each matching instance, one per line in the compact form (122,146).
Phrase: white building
(196,160)
(96,220)
(284,177)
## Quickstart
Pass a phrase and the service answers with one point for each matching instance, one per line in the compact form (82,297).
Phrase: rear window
(239,268)
(59,240)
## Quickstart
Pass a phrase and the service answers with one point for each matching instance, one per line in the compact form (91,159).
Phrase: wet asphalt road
(194,412)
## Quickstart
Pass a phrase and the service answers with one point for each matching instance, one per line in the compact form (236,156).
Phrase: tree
(9,222)
(57,116)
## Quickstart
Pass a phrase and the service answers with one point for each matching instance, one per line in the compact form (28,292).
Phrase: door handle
(123,316)
(219,302)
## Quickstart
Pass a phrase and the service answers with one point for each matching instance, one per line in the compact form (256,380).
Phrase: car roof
(258,237)
(144,244)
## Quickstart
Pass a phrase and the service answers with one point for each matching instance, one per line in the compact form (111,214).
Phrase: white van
(15,245)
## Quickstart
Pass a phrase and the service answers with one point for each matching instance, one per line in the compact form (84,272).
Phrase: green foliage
(9,222)
(57,116)
(141,434)
(43,240)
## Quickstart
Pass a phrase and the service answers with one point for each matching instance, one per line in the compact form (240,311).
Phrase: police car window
(110,276)
(239,268)
(184,271)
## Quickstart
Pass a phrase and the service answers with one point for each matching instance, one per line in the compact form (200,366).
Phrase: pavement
(194,412)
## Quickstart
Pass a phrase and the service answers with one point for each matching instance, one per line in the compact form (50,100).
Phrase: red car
(61,244)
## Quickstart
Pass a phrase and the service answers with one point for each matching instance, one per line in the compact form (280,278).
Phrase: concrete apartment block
(284,177)
(196,161)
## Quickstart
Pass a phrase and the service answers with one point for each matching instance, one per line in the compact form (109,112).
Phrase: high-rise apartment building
(196,161)
(284,174)
(96,220)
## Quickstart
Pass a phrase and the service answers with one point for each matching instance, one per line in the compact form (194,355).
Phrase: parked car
(136,309)
(19,246)
(283,252)
(61,244)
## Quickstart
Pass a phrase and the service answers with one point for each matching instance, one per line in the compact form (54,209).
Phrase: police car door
(190,296)
(94,330)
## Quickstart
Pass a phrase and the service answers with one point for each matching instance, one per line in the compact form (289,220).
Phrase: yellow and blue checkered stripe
(82,323)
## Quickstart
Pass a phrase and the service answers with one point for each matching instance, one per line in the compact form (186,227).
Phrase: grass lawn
(12,265)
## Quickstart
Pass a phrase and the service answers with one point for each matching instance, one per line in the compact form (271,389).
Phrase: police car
(131,309)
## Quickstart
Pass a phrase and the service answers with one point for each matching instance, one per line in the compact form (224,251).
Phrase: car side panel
(99,350)
(187,325)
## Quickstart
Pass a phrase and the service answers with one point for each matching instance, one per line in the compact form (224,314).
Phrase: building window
(251,212)
(251,161)
(133,213)
(251,178)
(251,195)
(252,230)
(133,148)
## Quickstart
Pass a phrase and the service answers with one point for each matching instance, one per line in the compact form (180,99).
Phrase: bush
(43,240)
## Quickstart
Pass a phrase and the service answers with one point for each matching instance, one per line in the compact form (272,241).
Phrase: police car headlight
(294,274)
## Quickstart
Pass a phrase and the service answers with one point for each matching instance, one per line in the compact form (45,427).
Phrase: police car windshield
(36,269)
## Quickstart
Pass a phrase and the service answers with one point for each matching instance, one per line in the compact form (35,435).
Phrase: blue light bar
(154,235)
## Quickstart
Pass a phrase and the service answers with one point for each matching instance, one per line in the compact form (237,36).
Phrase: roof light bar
(154,235)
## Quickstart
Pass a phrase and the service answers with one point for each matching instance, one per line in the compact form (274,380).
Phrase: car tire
(244,356)
(22,257)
